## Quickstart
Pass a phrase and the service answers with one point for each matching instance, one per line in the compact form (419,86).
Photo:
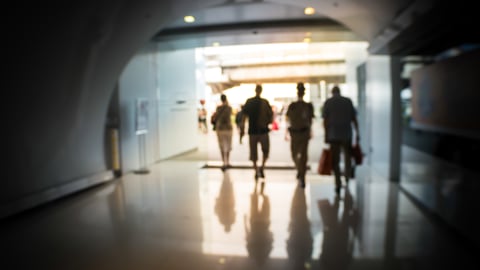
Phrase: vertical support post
(396,119)
(141,129)
(142,155)
(115,148)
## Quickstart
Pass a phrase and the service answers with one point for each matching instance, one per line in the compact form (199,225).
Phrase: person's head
(336,90)
(300,89)
(223,98)
(258,89)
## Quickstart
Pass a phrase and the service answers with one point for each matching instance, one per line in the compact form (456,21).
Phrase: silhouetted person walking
(260,116)
(338,117)
(224,129)
(300,116)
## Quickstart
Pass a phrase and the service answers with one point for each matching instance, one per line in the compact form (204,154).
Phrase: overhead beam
(167,33)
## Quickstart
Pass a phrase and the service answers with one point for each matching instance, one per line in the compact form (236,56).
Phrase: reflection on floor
(183,216)
(188,214)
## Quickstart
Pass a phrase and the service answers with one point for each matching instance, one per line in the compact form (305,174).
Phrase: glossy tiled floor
(185,216)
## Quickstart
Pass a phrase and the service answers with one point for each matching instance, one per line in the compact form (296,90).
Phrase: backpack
(300,115)
(264,114)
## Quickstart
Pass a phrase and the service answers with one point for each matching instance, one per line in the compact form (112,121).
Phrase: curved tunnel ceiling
(391,27)
(252,22)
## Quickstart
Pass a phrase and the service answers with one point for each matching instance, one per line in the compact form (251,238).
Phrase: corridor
(188,214)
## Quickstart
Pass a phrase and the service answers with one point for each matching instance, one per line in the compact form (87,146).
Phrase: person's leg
(303,155)
(335,150)
(221,145)
(294,151)
(227,160)
(265,144)
(228,147)
(253,140)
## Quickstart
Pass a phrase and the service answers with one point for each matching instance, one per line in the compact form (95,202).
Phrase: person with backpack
(224,130)
(299,117)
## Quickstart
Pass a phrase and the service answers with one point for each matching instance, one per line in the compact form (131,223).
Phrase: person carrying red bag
(339,115)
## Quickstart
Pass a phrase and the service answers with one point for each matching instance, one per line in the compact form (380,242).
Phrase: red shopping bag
(275,125)
(325,162)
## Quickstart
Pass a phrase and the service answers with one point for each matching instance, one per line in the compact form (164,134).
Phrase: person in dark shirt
(260,115)
(300,118)
(339,116)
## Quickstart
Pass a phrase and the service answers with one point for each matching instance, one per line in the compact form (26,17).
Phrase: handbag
(357,154)
(325,162)
(213,120)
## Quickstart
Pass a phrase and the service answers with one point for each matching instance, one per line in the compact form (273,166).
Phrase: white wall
(177,102)
(167,81)
(378,107)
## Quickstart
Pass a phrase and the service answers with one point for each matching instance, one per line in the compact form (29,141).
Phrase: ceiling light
(215,44)
(189,19)
(307,40)
(309,11)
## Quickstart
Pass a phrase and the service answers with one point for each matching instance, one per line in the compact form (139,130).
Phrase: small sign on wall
(141,116)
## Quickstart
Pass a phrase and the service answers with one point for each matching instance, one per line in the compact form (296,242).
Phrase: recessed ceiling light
(307,40)
(189,19)
(309,11)
(215,44)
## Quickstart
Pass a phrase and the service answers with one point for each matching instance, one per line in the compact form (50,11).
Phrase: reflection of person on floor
(225,203)
(300,241)
(339,233)
(258,235)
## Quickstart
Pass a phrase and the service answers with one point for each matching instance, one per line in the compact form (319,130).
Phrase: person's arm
(270,112)
(287,135)
(325,128)
(355,125)
(287,120)
(325,121)
(242,125)
(312,116)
